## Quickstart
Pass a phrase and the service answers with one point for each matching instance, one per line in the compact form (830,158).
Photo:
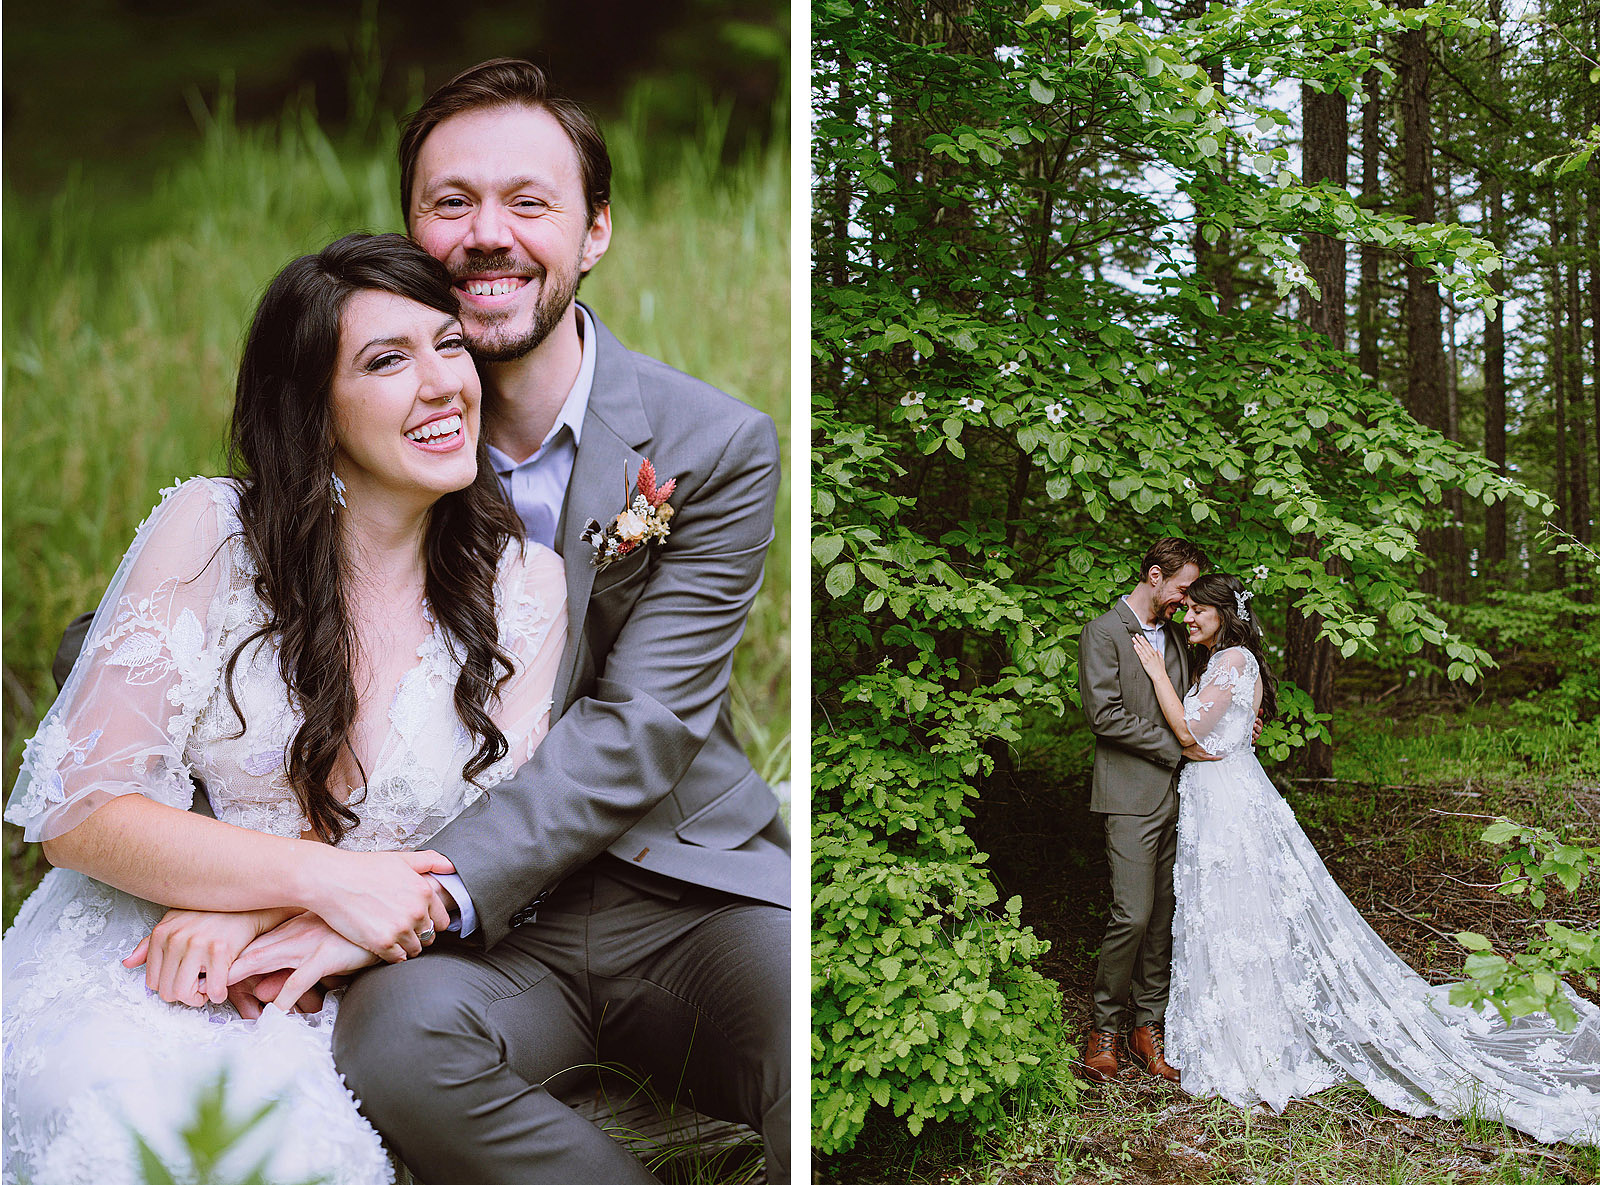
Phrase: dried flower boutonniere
(645,518)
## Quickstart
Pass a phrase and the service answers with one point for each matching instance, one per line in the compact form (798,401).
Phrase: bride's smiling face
(405,397)
(1204,623)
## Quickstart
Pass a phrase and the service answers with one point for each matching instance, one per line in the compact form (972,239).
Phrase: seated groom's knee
(395,1019)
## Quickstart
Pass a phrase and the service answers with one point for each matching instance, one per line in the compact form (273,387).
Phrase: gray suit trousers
(1135,972)
(461,1057)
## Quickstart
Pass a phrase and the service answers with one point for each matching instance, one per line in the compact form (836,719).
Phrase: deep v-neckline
(425,655)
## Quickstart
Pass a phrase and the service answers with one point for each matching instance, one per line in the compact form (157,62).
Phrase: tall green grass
(124,314)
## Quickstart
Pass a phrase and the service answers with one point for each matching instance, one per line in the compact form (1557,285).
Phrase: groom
(1136,759)
(624,896)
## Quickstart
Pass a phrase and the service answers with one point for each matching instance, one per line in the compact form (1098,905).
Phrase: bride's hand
(188,956)
(382,901)
(1148,658)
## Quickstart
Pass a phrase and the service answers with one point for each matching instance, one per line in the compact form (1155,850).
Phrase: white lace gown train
(90,1055)
(1280,988)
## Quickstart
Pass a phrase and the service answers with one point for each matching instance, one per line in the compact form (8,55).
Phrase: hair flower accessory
(644,518)
(1241,599)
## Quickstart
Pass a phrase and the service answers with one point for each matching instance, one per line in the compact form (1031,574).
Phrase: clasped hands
(358,909)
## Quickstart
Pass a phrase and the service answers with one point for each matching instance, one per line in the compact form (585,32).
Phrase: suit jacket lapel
(614,429)
(1177,658)
(1177,654)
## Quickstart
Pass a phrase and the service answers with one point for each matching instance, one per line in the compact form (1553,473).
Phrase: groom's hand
(1255,733)
(1194,752)
(308,949)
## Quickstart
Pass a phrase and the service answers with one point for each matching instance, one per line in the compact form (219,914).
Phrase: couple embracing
(1234,961)
(430,691)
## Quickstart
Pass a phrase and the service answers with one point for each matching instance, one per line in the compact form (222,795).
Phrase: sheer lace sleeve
(148,667)
(1229,681)
(533,627)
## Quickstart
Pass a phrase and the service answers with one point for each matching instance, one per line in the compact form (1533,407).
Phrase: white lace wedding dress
(1280,988)
(90,1055)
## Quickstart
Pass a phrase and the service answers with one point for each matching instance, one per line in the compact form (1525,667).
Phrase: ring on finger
(426,935)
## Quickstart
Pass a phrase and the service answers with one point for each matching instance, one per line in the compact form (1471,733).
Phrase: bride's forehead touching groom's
(504,198)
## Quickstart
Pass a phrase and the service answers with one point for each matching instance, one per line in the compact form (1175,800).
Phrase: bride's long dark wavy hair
(282,452)
(1222,593)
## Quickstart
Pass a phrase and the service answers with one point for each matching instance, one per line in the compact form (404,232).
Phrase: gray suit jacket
(641,759)
(1136,755)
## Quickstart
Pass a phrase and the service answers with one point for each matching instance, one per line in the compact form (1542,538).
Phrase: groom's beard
(489,336)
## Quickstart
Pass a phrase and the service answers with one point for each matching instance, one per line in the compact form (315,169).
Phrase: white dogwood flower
(1055,413)
(1250,409)
(912,398)
(969,404)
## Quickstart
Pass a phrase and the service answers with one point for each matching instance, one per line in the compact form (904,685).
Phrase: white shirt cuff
(467,920)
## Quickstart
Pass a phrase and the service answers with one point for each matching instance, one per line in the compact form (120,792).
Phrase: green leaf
(840,579)
(1500,831)
(826,549)
(1040,92)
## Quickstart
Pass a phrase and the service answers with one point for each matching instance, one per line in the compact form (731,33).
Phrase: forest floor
(1399,832)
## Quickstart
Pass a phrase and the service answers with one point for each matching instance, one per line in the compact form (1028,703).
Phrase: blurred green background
(162,162)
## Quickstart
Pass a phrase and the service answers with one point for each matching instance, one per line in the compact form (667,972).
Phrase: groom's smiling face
(1170,591)
(498,197)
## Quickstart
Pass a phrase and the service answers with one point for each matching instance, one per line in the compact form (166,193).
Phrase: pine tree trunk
(1454,498)
(1558,374)
(1214,261)
(1579,434)
(1309,658)
(1494,389)
(1494,337)
(1591,239)
(1371,198)
(1425,390)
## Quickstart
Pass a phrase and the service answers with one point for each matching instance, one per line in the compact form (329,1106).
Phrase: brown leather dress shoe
(1100,1058)
(1146,1045)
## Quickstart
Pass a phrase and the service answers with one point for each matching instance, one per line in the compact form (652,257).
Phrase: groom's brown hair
(509,82)
(1170,554)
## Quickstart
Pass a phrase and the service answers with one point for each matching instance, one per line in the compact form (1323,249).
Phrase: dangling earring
(338,494)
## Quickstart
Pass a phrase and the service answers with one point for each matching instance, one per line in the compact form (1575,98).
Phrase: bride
(1280,988)
(346,642)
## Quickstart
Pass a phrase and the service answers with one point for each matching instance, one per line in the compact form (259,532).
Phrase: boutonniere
(645,518)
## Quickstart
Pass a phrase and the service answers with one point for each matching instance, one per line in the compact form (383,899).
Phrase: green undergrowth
(1485,744)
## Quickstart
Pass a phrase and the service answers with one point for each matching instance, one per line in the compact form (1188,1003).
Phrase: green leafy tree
(1020,377)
